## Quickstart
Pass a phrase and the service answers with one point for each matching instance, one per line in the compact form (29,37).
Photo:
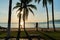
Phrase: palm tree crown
(24,4)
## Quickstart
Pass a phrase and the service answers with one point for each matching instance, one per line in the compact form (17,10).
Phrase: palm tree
(52,1)
(19,6)
(45,5)
(26,8)
(22,6)
(53,15)
(44,2)
(49,1)
(18,35)
(9,20)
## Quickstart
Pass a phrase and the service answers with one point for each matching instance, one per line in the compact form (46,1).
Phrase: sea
(32,25)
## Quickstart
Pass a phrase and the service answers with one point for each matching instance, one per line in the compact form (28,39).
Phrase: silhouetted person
(36,26)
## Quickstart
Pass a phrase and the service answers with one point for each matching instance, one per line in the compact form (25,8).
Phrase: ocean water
(32,25)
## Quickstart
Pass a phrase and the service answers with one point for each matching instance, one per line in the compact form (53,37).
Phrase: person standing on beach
(36,26)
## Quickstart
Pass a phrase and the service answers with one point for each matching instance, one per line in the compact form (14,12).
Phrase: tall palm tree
(45,5)
(9,20)
(26,8)
(52,1)
(24,5)
(44,2)
(18,35)
(19,6)
(53,15)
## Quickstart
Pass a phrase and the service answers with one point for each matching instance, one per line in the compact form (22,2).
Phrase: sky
(39,14)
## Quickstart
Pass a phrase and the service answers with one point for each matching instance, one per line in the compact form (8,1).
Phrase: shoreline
(32,29)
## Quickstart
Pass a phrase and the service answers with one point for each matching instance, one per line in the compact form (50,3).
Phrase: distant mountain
(50,21)
(55,20)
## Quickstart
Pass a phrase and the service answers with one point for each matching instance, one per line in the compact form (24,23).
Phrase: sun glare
(21,24)
(21,12)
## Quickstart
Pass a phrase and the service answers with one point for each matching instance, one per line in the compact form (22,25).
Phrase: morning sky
(40,13)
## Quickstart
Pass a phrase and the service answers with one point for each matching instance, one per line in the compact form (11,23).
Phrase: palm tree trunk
(24,18)
(47,17)
(24,25)
(53,15)
(18,35)
(9,20)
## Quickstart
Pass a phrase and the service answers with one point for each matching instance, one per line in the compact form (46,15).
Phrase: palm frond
(28,1)
(31,11)
(44,3)
(37,1)
(17,5)
(20,9)
(32,6)
(49,1)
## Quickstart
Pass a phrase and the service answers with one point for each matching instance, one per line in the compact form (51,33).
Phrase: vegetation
(51,35)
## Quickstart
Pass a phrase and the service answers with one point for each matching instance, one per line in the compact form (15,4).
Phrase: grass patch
(3,34)
(55,35)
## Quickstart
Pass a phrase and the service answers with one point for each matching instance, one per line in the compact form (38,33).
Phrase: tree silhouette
(18,5)
(52,2)
(53,15)
(26,8)
(9,20)
(45,4)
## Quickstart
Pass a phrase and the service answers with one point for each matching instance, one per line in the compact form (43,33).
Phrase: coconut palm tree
(52,2)
(9,20)
(53,14)
(49,1)
(44,2)
(45,5)
(26,8)
(18,35)
(19,6)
